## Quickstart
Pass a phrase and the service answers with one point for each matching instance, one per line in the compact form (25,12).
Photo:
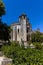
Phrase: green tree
(36,37)
(4,28)
(41,38)
(1,30)
(2,9)
(2,12)
(6,32)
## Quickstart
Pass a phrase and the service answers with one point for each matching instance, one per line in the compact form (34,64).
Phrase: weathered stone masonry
(21,30)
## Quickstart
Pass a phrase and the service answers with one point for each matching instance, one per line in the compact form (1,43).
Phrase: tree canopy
(4,31)
(4,28)
(37,37)
(2,8)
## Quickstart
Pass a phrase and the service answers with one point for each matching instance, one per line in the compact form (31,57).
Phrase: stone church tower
(21,30)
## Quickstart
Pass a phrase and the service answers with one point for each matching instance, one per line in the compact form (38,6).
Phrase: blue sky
(32,8)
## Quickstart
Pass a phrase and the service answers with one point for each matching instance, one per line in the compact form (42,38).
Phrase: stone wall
(5,61)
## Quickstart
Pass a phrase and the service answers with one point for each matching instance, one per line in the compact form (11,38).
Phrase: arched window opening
(18,30)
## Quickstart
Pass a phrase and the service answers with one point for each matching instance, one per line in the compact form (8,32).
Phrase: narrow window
(27,29)
(18,30)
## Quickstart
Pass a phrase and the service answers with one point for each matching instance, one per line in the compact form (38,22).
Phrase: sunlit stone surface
(5,61)
(21,30)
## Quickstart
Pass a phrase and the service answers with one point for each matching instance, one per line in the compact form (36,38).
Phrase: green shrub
(23,56)
(29,42)
(38,45)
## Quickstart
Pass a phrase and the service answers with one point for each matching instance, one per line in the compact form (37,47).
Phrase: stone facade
(21,29)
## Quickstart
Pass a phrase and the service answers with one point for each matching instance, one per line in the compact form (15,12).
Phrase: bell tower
(23,29)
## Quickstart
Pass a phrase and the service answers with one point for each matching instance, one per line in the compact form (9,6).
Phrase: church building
(21,30)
